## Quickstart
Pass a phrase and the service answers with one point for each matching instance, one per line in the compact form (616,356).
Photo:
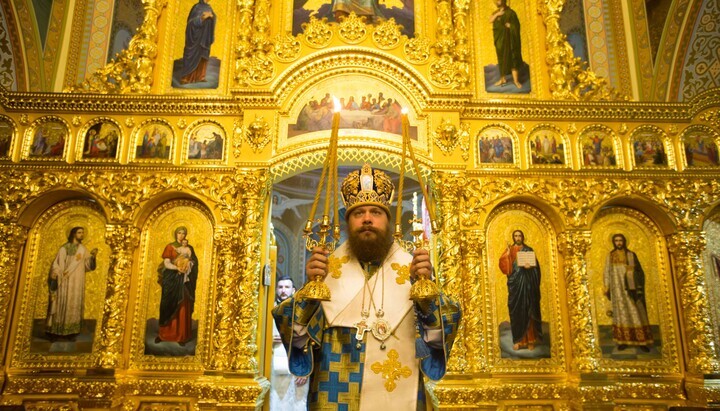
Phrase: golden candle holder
(316,289)
(422,289)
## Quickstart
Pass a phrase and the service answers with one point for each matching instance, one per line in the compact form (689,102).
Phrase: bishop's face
(369,233)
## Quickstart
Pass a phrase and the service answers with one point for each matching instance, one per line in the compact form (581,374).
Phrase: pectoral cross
(361,328)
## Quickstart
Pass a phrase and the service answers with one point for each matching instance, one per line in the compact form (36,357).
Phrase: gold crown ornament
(367,186)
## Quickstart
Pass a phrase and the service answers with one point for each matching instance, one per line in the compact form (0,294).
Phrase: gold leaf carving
(687,248)
(417,50)
(287,47)
(258,134)
(235,336)
(685,199)
(446,72)
(445,136)
(317,33)
(254,69)
(122,239)
(574,245)
(449,187)
(353,29)
(387,34)
(131,70)
(237,137)
(12,238)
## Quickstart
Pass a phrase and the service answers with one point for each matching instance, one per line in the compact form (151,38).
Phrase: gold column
(122,239)
(686,248)
(226,240)
(574,244)
(239,250)
(474,294)
(12,239)
(253,187)
(460,9)
(449,256)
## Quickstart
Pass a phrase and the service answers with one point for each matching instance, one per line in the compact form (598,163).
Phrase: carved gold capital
(586,355)
(122,239)
(687,248)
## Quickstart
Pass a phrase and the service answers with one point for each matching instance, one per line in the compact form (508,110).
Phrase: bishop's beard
(375,249)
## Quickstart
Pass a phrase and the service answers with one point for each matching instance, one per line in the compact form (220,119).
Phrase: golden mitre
(367,186)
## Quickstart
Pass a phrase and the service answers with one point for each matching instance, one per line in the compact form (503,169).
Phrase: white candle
(415,205)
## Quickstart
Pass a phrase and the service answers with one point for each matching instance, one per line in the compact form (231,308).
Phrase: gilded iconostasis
(160,160)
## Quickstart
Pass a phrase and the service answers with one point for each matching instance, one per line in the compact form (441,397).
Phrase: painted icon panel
(627,270)
(496,147)
(205,140)
(547,146)
(176,269)
(598,147)
(521,261)
(64,290)
(154,141)
(46,139)
(700,144)
(100,140)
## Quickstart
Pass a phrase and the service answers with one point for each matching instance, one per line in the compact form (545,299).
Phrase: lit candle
(415,205)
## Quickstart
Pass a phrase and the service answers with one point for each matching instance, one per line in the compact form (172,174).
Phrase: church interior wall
(135,150)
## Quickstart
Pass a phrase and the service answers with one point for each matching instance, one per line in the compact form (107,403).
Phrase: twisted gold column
(573,245)
(686,248)
(449,188)
(122,239)
(473,243)
(226,240)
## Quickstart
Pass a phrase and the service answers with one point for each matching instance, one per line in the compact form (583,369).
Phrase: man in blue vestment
(370,345)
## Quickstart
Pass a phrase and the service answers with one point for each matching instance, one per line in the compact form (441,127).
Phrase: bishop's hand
(317,265)
(421,268)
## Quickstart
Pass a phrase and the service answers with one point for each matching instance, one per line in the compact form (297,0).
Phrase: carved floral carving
(353,29)
(387,34)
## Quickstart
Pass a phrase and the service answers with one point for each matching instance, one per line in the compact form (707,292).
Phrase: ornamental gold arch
(298,161)
(323,65)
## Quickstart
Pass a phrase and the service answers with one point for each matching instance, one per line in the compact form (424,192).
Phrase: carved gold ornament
(287,47)
(570,79)
(317,33)
(237,137)
(446,72)
(446,136)
(387,34)
(353,29)
(258,134)
(417,50)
